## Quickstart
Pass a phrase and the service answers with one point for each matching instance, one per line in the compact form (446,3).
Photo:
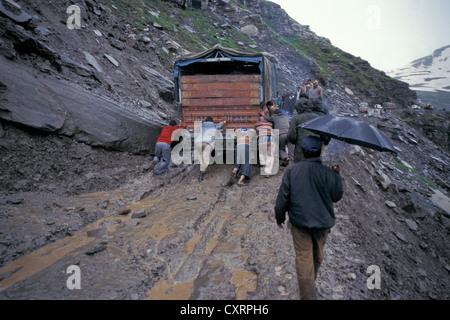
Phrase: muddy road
(183,240)
(175,238)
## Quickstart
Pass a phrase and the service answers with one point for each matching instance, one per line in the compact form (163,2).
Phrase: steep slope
(95,84)
(121,60)
(263,26)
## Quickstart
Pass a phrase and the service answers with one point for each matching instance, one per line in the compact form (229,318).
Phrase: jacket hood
(305,105)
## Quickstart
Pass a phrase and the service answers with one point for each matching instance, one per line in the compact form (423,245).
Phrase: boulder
(54,105)
(93,62)
(164,86)
(13,11)
(350,92)
(384,180)
(250,30)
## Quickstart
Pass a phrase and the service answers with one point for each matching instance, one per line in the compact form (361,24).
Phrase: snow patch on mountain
(430,73)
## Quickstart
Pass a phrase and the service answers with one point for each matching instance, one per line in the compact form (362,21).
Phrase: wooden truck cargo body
(225,84)
(233,98)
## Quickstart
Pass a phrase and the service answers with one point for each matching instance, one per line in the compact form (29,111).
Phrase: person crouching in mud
(242,154)
(307,192)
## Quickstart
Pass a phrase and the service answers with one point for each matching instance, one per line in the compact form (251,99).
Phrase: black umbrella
(349,130)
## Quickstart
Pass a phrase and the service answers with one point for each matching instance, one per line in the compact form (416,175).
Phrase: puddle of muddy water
(170,290)
(245,281)
(41,259)
(48,255)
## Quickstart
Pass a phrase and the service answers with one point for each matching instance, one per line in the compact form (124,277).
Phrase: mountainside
(430,73)
(121,59)
(81,110)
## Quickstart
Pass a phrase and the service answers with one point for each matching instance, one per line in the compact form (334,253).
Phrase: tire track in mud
(204,242)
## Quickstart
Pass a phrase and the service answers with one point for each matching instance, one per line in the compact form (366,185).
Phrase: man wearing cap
(316,91)
(307,192)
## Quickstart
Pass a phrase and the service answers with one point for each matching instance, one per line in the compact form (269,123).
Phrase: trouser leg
(166,153)
(319,239)
(282,146)
(308,245)
(158,152)
(291,148)
(206,156)
(243,160)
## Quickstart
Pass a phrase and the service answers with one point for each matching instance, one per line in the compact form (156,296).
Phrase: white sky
(387,33)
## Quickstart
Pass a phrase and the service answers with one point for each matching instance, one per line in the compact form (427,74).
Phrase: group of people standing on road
(308,188)
(309,89)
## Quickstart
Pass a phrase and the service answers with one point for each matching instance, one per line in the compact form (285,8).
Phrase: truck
(389,105)
(364,107)
(225,84)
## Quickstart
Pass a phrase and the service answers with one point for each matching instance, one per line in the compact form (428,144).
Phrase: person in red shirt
(163,147)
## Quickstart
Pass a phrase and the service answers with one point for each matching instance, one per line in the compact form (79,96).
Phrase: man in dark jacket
(306,111)
(307,193)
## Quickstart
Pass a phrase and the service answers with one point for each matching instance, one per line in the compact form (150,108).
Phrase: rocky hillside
(121,60)
(433,125)
(81,108)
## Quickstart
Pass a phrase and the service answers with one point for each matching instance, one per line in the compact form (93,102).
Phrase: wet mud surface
(196,241)
(171,237)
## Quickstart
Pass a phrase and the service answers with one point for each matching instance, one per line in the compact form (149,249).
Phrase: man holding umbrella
(307,192)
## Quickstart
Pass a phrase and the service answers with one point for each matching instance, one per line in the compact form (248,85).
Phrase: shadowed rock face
(74,93)
(58,106)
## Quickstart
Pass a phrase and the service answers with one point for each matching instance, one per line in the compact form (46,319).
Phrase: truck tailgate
(233,98)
